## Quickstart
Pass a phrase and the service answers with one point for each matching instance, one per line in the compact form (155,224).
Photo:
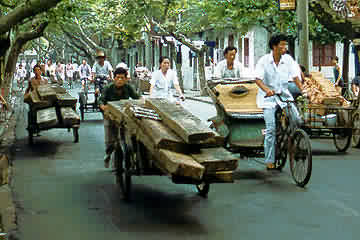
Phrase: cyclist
(101,72)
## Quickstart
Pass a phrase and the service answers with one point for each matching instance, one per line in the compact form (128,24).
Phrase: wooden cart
(51,107)
(162,138)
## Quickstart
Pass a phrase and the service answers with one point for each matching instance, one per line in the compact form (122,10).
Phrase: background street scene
(62,191)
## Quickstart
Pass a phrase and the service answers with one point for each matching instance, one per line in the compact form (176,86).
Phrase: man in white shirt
(229,67)
(102,70)
(272,73)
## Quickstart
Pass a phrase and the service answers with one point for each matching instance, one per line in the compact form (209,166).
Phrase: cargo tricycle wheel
(76,134)
(123,173)
(342,139)
(356,127)
(300,157)
(203,189)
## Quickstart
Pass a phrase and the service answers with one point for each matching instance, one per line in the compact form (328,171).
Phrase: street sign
(287,5)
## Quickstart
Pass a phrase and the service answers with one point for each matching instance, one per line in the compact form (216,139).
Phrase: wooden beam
(190,128)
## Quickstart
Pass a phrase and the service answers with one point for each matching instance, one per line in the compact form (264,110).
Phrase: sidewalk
(195,95)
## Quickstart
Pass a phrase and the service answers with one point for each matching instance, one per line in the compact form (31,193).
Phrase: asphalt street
(62,191)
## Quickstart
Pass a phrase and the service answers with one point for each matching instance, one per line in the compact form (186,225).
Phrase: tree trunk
(202,77)
(345,67)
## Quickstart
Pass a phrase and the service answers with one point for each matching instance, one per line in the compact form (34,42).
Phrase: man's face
(84,62)
(120,80)
(100,60)
(230,56)
(281,48)
(37,71)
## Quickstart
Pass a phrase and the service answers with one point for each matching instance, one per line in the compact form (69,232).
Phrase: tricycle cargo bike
(242,124)
(50,106)
(162,138)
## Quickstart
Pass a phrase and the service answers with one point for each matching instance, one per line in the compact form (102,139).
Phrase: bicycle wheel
(342,139)
(300,157)
(282,135)
(356,125)
(203,189)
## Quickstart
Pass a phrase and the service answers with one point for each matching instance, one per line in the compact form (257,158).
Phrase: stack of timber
(53,106)
(181,145)
(323,92)
(47,117)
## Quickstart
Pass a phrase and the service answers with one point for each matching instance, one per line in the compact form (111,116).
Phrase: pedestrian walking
(229,67)
(70,73)
(20,77)
(60,73)
(272,73)
(115,91)
(162,79)
(50,71)
(339,82)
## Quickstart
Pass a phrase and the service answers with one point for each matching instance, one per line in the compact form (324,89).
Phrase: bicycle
(292,139)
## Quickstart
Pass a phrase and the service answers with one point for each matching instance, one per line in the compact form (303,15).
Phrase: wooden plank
(69,116)
(65,100)
(179,164)
(162,136)
(46,93)
(47,117)
(190,128)
(219,177)
(216,159)
(34,101)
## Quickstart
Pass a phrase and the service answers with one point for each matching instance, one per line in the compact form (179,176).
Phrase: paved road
(63,192)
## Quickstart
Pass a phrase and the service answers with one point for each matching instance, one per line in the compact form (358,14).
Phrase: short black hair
(36,66)
(228,49)
(162,58)
(335,58)
(276,39)
(120,71)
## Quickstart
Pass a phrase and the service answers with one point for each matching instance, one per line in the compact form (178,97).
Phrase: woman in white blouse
(161,81)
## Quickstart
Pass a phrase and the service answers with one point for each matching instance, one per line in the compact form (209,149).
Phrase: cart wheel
(75,134)
(203,189)
(300,157)
(356,125)
(123,169)
(342,139)
(82,113)
(31,137)
(282,136)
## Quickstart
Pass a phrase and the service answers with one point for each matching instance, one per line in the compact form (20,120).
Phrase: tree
(15,22)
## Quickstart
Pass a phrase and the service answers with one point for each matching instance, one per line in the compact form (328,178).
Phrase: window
(322,54)
(246,52)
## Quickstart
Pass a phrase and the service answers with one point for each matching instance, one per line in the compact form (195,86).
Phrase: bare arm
(151,90)
(178,89)
(265,88)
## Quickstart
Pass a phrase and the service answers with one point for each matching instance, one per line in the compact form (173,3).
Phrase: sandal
(270,166)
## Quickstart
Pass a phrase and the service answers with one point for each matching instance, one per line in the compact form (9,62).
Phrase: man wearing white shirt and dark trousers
(273,72)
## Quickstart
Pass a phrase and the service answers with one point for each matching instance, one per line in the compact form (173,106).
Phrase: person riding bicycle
(101,72)
(272,73)
(85,74)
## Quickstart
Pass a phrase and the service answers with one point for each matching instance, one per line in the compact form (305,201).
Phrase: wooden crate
(65,100)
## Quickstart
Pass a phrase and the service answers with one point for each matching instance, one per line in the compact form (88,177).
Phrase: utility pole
(303,31)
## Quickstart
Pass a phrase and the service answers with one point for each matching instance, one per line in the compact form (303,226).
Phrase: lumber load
(34,101)
(322,91)
(179,164)
(46,93)
(65,100)
(216,159)
(171,153)
(69,116)
(190,128)
(46,118)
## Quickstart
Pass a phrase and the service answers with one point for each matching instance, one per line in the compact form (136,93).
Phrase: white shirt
(162,83)
(70,70)
(221,69)
(102,70)
(275,77)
